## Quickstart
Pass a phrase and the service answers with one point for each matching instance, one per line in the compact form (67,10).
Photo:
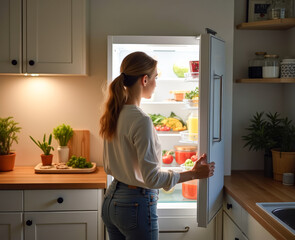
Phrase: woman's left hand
(202,169)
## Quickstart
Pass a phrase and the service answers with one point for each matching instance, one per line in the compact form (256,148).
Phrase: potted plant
(275,136)
(45,146)
(8,135)
(63,134)
(284,154)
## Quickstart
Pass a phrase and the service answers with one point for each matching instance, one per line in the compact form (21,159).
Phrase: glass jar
(184,152)
(271,68)
(277,9)
(255,65)
(193,126)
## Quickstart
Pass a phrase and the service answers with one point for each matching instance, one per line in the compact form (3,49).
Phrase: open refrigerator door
(173,108)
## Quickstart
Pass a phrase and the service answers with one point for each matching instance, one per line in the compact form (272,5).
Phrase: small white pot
(63,154)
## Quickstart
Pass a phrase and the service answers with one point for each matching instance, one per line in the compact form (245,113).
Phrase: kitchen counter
(25,178)
(250,187)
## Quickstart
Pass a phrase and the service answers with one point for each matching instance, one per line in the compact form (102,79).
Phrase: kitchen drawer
(171,228)
(61,200)
(233,209)
(11,200)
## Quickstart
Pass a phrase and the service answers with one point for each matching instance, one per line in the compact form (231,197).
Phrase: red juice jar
(184,152)
(190,189)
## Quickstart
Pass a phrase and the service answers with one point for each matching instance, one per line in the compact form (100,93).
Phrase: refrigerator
(175,55)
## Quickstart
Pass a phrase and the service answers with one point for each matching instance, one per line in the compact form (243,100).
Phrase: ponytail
(114,105)
(134,66)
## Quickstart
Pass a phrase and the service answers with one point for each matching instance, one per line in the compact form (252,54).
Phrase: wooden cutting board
(79,144)
(53,169)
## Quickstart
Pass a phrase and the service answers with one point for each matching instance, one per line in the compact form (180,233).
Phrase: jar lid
(186,148)
(271,56)
(260,53)
(289,60)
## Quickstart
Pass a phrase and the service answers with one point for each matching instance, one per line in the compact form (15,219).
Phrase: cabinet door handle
(186,229)
(236,238)
(14,62)
(31,62)
(229,206)
(29,222)
(60,200)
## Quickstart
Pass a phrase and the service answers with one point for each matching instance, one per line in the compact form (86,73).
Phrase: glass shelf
(162,102)
(175,197)
(168,134)
(191,77)
(187,137)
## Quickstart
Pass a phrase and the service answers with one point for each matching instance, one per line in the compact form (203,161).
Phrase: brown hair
(133,66)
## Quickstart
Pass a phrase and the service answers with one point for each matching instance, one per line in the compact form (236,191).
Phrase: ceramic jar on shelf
(288,68)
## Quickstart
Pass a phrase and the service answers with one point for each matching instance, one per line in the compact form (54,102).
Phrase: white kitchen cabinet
(61,225)
(51,214)
(11,207)
(43,37)
(230,229)
(238,223)
(11,227)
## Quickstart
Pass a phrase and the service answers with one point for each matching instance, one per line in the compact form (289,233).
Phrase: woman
(132,154)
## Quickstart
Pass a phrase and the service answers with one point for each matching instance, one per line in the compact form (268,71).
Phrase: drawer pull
(14,62)
(186,229)
(60,200)
(31,62)
(236,238)
(229,206)
(29,222)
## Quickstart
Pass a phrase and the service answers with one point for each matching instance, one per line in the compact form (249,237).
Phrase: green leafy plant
(63,134)
(269,133)
(192,94)
(44,146)
(79,162)
(8,134)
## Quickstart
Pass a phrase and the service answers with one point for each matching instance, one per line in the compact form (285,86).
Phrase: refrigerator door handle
(217,107)
(186,229)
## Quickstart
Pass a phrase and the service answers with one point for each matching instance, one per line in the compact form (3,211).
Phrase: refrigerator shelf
(162,102)
(187,137)
(191,77)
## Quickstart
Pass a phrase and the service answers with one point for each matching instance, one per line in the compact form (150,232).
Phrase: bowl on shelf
(191,102)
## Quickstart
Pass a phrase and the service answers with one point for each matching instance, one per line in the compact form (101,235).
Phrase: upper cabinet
(43,37)
(275,24)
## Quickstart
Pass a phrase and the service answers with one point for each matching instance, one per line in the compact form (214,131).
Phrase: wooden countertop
(250,187)
(24,178)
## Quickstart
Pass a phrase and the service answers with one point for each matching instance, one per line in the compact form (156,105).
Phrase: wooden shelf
(275,24)
(266,80)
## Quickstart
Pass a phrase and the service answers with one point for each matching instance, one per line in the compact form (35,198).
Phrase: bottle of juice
(193,125)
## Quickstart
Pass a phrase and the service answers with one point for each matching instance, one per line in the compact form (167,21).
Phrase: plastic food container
(183,152)
(190,189)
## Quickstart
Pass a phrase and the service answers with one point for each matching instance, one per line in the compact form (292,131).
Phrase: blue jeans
(130,213)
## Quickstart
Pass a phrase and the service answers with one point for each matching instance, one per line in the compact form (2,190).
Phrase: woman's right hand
(202,169)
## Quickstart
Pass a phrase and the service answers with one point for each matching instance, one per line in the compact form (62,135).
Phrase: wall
(41,103)
(251,98)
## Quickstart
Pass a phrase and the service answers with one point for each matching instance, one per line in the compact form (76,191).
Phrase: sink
(283,212)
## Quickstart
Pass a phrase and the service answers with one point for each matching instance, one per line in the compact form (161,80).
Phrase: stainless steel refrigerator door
(211,135)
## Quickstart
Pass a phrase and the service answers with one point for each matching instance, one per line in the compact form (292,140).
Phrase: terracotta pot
(7,162)
(46,159)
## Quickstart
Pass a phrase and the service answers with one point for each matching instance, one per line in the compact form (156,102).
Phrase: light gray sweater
(134,154)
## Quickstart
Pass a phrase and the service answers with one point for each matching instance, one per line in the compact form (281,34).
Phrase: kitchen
(76,100)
